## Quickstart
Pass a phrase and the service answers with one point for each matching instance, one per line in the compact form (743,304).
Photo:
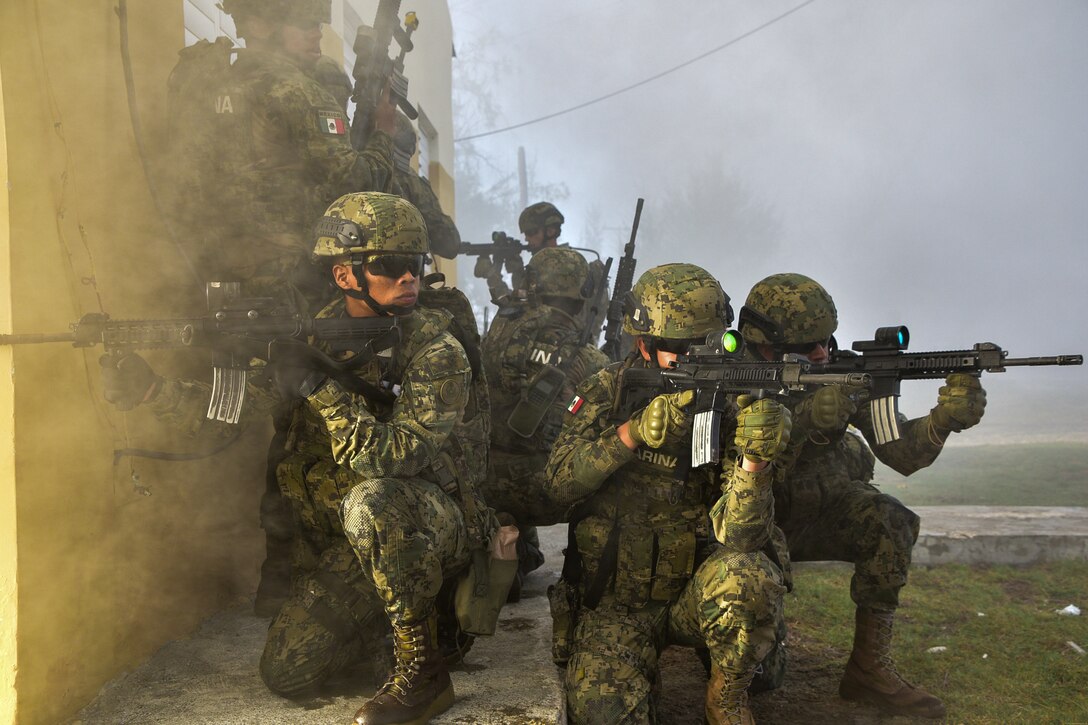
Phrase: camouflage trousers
(515,485)
(332,621)
(828,513)
(409,536)
(731,606)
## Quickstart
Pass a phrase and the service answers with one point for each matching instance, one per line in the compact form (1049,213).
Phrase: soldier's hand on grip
(763,428)
(961,402)
(664,416)
(829,408)
(127,380)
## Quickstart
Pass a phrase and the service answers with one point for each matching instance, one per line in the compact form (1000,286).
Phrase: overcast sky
(927,161)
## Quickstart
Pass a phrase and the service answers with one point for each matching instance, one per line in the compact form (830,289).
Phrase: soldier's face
(535,240)
(402,291)
(303,43)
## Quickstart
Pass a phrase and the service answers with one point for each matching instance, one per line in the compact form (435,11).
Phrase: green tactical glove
(484,267)
(663,416)
(960,403)
(829,409)
(127,380)
(763,428)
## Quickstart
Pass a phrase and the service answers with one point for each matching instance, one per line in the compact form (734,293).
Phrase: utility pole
(523,178)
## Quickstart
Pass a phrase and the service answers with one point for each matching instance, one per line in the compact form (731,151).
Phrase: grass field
(1006,661)
(1030,474)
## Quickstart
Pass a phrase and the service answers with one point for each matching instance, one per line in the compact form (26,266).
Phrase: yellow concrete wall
(9,610)
(113,559)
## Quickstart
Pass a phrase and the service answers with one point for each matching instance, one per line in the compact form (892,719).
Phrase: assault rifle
(502,249)
(883,359)
(716,371)
(238,330)
(374,68)
(625,279)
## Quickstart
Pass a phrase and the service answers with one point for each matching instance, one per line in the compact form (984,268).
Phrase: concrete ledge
(1011,535)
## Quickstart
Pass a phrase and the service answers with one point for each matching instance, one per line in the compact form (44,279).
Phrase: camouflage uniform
(523,339)
(383,488)
(660,553)
(824,501)
(671,581)
(394,480)
(287,155)
(255,161)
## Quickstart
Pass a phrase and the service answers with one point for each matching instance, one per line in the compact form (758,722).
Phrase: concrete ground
(211,677)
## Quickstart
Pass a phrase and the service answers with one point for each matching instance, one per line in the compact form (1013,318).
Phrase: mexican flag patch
(331,124)
(575,404)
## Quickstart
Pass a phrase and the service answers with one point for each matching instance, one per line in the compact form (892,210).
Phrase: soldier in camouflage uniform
(535,351)
(284,152)
(661,552)
(824,502)
(383,484)
(542,223)
(258,149)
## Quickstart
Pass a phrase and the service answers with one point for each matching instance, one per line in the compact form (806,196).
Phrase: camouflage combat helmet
(369,221)
(676,302)
(296,12)
(539,215)
(788,309)
(558,272)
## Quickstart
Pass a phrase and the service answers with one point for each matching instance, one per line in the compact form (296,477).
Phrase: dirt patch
(1018,590)
(810,693)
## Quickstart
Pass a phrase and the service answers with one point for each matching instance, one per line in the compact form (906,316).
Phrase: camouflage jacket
(521,341)
(656,508)
(286,155)
(339,439)
(912,451)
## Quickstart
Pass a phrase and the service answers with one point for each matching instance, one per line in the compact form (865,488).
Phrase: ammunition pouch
(535,401)
(483,589)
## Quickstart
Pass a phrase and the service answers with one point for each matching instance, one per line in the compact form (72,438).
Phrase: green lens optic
(730,343)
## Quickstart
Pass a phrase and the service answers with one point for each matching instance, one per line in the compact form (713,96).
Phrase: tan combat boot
(419,688)
(727,698)
(871,675)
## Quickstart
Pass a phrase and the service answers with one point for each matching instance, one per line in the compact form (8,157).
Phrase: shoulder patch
(331,122)
(575,404)
(449,392)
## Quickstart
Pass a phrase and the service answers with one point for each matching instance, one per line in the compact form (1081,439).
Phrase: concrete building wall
(9,610)
(102,560)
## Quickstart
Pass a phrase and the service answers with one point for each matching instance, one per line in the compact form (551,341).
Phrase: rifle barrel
(1052,360)
(35,338)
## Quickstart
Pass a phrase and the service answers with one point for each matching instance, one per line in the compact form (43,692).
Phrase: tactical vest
(639,536)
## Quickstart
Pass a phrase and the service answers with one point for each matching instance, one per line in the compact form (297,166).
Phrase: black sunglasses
(395,265)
